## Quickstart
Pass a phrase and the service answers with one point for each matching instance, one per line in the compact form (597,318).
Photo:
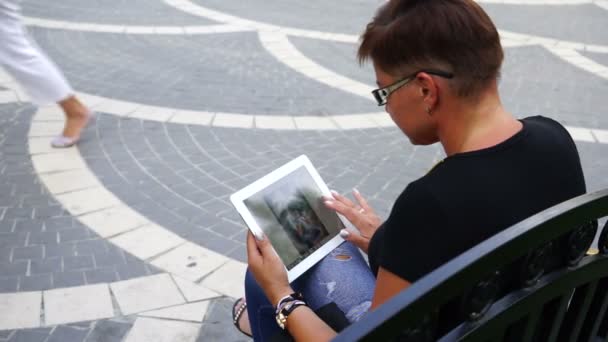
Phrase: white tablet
(287,206)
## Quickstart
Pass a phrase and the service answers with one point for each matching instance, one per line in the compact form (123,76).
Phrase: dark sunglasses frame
(381,94)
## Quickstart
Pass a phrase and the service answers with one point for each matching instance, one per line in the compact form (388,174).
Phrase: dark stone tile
(66,279)
(81,262)
(91,247)
(65,333)
(109,331)
(227,228)
(214,242)
(113,257)
(43,238)
(48,212)
(9,284)
(74,234)
(58,223)
(28,225)
(60,250)
(12,239)
(239,254)
(6,226)
(31,335)
(131,270)
(48,265)
(18,213)
(216,326)
(36,282)
(5,255)
(101,275)
(31,252)
(13,269)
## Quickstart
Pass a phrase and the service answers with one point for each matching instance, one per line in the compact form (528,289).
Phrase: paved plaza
(131,236)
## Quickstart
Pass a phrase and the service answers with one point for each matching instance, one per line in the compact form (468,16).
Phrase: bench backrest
(534,281)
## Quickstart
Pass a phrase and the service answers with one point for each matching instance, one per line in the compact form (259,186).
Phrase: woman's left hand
(267,268)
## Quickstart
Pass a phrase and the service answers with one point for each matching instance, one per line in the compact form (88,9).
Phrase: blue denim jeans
(342,277)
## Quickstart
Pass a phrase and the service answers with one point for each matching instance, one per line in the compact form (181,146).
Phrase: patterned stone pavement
(196,99)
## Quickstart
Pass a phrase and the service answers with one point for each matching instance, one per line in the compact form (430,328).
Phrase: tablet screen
(291,213)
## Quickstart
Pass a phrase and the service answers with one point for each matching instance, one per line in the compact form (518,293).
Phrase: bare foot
(242,322)
(77,117)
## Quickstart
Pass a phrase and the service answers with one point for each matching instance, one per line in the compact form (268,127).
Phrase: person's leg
(78,116)
(261,313)
(36,72)
(342,277)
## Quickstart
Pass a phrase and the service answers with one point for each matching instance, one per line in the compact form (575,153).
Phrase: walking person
(40,77)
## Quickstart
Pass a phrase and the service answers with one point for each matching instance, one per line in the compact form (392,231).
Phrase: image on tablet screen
(292,215)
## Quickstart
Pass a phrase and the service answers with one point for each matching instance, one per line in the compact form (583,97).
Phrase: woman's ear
(428,89)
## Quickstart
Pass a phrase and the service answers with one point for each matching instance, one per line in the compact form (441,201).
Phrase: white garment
(24,60)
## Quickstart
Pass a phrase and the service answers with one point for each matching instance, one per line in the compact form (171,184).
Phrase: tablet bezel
(239,197)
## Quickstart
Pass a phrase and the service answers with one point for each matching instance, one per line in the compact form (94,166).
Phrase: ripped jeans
(342,277)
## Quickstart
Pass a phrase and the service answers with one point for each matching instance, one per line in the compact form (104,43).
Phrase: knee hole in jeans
(342,257)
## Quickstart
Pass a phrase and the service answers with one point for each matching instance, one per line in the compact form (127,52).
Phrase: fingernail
(355,190)
(329,202)
(344,233)
(259,237)
(334,192)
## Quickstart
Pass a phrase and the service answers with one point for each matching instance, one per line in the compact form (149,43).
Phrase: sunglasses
(381,94)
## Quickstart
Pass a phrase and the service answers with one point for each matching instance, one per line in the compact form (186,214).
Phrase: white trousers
(23,59)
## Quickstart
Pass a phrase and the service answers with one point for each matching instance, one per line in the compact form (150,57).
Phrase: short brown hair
(453,34)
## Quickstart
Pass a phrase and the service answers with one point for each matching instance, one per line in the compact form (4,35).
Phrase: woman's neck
(476,124)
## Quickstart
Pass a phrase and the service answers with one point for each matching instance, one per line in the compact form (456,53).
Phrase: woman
(437,64)
(37,74)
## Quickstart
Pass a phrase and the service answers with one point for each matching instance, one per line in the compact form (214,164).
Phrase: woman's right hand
(361,215)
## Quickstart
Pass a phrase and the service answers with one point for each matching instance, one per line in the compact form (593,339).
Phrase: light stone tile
(189,261)
(109,28)
(120,108)
(41,146)
(87,200)
(228,279)
(198,29)
(356,121)
(602,3)
(8,96)
(50,113)
(112,221)
(45,128)
(194,312)
(193,292)
(169,30)
(22,95)
(601,135)
(68,159)
(158,330)
(139,29)
(67,305)
(147,241)
(20,310)
(67,181)
(383,120)
(580,134)
(146,293)
(314,122)
(90,100)
(152,113)
(229,28)
(192,118)
(233,120)
(274,122)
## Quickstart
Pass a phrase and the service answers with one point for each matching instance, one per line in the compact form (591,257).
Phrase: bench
(535,281)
